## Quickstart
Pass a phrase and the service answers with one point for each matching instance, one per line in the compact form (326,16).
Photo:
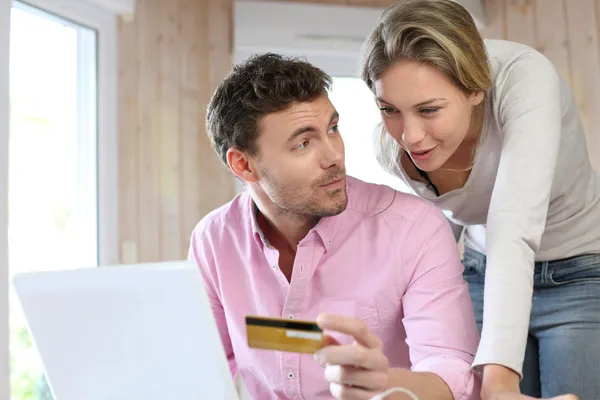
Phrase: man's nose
(333,153)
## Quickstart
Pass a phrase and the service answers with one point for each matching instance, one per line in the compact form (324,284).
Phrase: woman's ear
(476,98)
(240,164)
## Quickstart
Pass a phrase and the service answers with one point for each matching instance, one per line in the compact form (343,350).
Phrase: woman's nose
(412,134)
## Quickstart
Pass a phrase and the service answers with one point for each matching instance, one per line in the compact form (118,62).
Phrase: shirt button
(290,375)
(291,316)
(274,266)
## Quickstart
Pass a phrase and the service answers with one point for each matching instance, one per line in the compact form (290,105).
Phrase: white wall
(330,36)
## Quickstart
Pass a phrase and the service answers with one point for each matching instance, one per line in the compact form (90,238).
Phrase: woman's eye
(334,129)
(429,111)
(387,110)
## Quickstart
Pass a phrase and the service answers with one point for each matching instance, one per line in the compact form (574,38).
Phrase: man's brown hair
(261,85)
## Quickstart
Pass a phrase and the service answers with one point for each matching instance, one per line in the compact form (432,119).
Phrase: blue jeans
(563,345)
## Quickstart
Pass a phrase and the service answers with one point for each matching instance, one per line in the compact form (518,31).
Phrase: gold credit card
(283,334)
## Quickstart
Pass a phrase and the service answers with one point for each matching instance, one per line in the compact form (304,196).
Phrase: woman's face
(425,112)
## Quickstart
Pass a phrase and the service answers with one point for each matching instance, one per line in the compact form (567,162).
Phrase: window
(359,117)
(52,153)
(62,156)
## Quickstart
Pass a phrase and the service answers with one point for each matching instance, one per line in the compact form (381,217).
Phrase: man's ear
(240,164)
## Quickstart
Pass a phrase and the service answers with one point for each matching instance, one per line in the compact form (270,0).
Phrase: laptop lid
(126,332)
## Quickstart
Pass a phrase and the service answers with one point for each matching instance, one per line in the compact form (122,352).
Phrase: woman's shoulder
(507,59)
(521,75)
(501,52)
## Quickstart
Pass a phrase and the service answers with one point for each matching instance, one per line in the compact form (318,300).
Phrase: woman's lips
(422,155)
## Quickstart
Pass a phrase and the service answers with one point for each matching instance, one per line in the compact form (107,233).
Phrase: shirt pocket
(363,309)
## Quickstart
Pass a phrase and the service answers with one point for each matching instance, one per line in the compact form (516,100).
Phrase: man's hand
(358,371)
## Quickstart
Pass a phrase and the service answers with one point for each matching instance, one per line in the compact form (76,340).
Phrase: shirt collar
(256,231)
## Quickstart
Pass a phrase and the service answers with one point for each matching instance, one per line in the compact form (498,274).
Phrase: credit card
(283,334)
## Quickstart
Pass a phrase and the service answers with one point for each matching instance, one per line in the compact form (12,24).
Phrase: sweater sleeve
(528,101)
(457,229)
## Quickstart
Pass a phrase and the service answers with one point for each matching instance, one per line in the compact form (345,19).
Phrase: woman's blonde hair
(439,33)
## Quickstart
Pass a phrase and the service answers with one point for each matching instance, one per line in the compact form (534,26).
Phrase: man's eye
(302,145)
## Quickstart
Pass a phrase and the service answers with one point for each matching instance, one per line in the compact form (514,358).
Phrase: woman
(489,132)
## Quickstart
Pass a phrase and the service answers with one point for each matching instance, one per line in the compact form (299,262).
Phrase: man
(379,269)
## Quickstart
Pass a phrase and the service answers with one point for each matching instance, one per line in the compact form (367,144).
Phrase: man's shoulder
(383,200)
(218,222)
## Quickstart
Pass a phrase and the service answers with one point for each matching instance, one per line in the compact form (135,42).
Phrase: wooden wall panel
(171,57)
(552,35)
(585,65)
(169,129)
(495,27)
(149,202)
(520,23)
(195,90)
(128,150)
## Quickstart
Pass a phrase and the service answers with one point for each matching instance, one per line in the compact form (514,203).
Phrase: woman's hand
(518,396)
(501,383)
(358,371)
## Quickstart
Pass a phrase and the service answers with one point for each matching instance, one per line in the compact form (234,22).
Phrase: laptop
(126,332)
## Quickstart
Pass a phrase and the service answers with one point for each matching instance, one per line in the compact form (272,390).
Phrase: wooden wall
(171,56)
(175,52)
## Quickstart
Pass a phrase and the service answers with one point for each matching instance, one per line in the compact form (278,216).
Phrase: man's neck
(283,230)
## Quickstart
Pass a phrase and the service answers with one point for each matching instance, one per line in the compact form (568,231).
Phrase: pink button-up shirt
(389,259)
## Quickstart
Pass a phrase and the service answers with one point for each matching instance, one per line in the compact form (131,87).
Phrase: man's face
(300,159)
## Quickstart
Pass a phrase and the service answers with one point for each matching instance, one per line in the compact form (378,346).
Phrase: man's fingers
(357,377)
(330,341)
(343,392)
(352,355)
(354,327)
